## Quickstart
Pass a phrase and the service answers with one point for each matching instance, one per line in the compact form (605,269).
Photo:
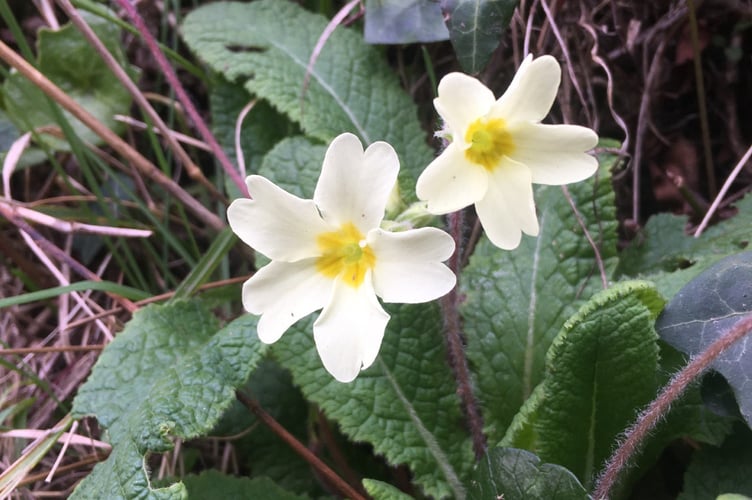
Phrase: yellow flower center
(344,254)
(489,140)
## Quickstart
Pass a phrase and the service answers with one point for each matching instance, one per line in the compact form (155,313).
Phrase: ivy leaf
(514,474)
(714,471)
(400,21)
(169,373)
(67,59)
(476,28)
(267,45)
(666,255)
(405,404)
(212,484)
(706,308)
(516,302)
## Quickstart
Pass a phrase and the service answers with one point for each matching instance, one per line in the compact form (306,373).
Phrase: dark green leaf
(262,128)
(168,374)
(265,453)
(213,485)
(514,474)
(706,308)
(476,28)
(517,301)
(405,405)
(666,255)
(404,21)
(715,471)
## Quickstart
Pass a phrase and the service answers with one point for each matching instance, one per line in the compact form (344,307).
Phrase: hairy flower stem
(455,344)
(661,405)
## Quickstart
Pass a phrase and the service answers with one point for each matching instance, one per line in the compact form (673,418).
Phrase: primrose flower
(499,148)
(330,253)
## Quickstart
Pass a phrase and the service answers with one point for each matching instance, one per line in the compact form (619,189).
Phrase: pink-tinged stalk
(174,82)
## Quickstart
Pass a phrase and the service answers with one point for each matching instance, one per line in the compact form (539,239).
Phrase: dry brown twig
(193,170)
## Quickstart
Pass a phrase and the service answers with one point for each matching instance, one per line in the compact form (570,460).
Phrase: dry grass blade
(31,456)
(144,166)
(172,78)
(193,170)
(722,194)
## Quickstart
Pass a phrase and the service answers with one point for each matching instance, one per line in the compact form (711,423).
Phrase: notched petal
(355,185)
(451,182)
(532,92)
(283,293)
(409,265)
(462,100)
(275,222)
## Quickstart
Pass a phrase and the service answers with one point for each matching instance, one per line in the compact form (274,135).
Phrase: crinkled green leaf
(663,253)
(294,164)
(168,374)
(383,491)
(262,127)
(518,300)
(600,370)
(476,28)
(405,404)
(122,477)
(213,485)
(404,21)
(66,58)
(267,45)
(688,418)
(514,474)
(707,307)
(714,471)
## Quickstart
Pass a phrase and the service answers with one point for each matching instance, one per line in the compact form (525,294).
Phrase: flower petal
(408,264)
(451,182)
(532,92)
(355,186)
(276,223)
(555,154)
(349,330)
(462,100)
(282,293)
(508,207)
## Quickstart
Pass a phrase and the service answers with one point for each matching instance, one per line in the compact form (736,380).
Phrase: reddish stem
(182,95)
(342,486)
(662,404)
(456,346)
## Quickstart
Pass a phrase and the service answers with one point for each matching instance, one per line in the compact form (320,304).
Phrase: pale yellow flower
(499,148)
(330,253)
